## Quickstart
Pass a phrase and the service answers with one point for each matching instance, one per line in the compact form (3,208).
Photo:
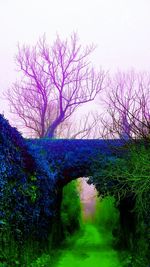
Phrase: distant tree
(56,80)
(85,127)
(127,105)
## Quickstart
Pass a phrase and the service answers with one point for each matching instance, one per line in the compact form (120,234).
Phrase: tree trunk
(51,129)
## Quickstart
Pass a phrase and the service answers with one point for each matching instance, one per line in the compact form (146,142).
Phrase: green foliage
(121,176)
(92,245)
(138,177)
(125,176)
(70,219)
(70,208)
(43,261)
(32,190)
(107,215)
(8,247)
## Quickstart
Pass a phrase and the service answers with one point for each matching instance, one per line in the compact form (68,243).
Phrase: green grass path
(89,248)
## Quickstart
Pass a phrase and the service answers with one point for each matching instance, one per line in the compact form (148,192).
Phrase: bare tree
(56,80)
(128,106)
(85,127)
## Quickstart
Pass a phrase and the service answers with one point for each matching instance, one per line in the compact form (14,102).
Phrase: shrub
(128,177)
(27,192)
(70,209)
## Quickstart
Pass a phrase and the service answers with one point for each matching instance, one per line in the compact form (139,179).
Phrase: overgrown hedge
(127,178)
(74,158)
(26,186)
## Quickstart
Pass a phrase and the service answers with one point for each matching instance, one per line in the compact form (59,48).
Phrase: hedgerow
(26,186)
(127,178)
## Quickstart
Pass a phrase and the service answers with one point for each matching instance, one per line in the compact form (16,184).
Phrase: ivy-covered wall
(33,172)
(74,158)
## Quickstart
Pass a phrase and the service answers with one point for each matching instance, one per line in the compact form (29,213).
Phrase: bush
(70,209)
(128,177)
(42,261)
(27,193)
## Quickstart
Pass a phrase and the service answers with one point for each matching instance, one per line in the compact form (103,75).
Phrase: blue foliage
(26,184)
(31,170)
(74,158)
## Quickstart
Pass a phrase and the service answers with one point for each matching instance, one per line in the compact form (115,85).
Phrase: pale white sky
(120,28)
